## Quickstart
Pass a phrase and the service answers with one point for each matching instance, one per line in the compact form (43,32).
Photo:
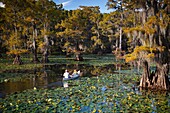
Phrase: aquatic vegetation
(107,92)
(97,94)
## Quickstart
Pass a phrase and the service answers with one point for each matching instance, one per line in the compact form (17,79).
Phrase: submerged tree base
(17,60)
(78,57)
(35,60)
(155,80)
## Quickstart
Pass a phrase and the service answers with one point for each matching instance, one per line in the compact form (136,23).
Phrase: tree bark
(157,79)
(120,39)
(160,78)
(144,82)
(35,58)
(45,56)
(45,50)
(121,25)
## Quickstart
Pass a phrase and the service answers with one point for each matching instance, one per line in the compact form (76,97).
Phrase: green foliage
(143,52)
(26,22)
(144,34)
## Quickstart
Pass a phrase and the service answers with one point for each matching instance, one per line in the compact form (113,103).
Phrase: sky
(74,4)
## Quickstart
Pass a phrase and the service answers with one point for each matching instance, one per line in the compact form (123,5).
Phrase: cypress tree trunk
(78,56)
(45,56)
(46,42)
(120,39)
(17,60)
(144,82)
(121,31)
(35,58)
(157,79)
(160,77)
(45,50)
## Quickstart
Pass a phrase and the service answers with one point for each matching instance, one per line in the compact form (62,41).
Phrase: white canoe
(73,77)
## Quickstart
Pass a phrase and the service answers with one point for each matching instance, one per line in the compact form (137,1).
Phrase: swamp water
(108,92)
(50,76)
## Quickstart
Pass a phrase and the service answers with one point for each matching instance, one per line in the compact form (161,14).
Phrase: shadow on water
(50,76)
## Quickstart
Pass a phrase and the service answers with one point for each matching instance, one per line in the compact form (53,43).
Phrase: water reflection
(11,87)
(65,84)
(50,76)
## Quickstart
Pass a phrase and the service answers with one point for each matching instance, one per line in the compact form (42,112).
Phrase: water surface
(49,76)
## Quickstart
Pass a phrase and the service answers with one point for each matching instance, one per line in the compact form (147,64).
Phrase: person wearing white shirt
(66,74)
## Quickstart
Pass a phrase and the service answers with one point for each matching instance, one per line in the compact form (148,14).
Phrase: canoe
(73,77)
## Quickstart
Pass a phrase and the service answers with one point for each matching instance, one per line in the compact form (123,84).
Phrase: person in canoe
(66,74)
(72,76)
(74,73)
